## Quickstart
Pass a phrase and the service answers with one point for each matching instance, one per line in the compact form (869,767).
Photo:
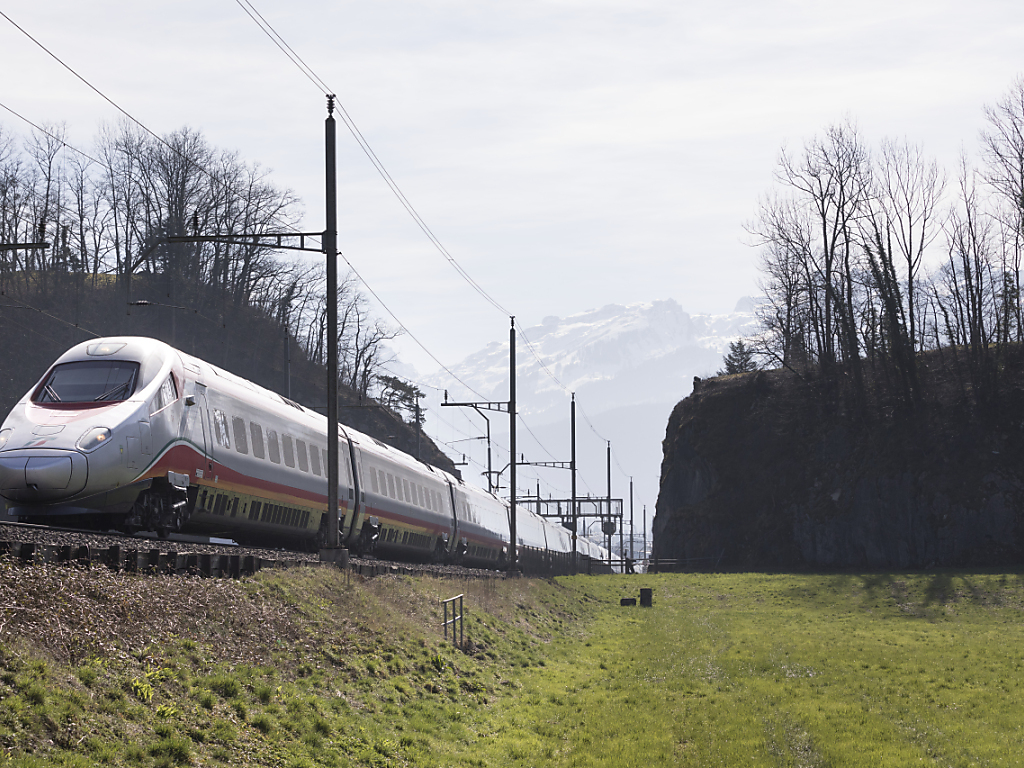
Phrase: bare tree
(1003,155)
(114,215)
(787,317)
(968,291)
(909,191)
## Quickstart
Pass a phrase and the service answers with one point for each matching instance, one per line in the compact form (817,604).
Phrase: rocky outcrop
(759,472)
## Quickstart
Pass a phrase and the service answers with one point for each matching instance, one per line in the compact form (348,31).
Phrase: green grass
(882,670)
(301,668)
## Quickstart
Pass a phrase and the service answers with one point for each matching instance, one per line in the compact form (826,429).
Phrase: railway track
(186,554)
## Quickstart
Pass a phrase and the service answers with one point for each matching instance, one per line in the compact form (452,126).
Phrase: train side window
(256,433)
(238,427)
(300,454)
(166,395)
(273,448)
(314,459)
(399,482)
(373,480)
(220,427)
(391,486)
(289,453)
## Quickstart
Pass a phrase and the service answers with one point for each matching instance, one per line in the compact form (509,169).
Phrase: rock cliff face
(759,473)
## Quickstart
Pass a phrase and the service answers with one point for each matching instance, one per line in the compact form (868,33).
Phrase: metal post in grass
(455,618)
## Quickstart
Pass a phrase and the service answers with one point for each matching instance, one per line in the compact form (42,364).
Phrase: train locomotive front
(76,446)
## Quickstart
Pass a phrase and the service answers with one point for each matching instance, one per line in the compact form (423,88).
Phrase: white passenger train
(131,433)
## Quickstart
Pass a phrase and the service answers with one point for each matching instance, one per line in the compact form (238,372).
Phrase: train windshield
(92,381)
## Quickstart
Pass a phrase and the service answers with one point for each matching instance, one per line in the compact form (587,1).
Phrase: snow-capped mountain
(628,365)
(614,356)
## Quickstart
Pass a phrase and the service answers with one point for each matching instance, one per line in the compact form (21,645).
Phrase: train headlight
(5,435)
(93,439)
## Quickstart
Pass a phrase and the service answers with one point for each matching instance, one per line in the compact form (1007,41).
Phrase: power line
(282,44)
(107,99)
(533,351)
(364,145)
(41,129)
(91,87)
(411,335)
(25,305)
(587,420)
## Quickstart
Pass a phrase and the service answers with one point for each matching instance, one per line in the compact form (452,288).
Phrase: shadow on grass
(920,590)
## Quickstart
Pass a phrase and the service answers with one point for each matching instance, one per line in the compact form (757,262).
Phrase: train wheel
(367,541)
(440,551)
(321,535)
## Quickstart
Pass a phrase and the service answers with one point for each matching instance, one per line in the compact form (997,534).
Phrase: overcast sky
(568,154)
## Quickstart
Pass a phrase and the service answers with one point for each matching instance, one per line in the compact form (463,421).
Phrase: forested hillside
(888,433)
(83,253)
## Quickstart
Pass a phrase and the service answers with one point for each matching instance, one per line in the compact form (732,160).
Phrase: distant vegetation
(870,256)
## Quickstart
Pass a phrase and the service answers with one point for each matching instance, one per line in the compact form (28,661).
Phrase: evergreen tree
(740,359)
(399,396)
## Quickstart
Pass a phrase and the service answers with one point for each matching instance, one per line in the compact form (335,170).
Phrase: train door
(354,520)
(346,486)
(458,544)
(196,425)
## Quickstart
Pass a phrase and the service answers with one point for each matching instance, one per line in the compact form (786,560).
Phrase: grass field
(307,668)
(779,670)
